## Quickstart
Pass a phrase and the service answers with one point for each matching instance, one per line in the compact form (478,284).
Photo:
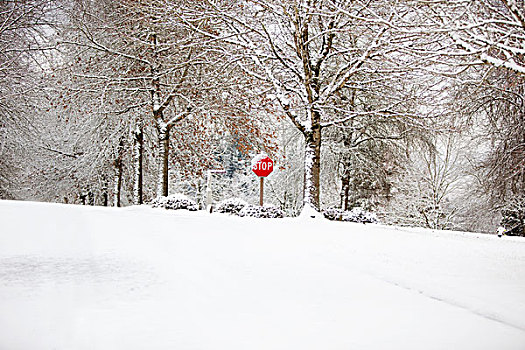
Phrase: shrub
(174,202)
(514,217)
(231,206)
(267,211)
(360,215)
(357,214)
(333,214)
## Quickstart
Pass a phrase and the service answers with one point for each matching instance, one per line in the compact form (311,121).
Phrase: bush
(175,202)
(514,217)
(333,214)
(357,214)
(360,215)
(267,211)
(231,206)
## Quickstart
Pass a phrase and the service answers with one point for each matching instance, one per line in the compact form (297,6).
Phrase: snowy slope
(75,277)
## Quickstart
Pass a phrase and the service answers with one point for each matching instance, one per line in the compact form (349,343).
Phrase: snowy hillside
(74,277)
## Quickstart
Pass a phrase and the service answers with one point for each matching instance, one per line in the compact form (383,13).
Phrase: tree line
(413,109)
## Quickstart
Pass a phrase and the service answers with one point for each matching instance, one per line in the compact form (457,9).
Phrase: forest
(413,110)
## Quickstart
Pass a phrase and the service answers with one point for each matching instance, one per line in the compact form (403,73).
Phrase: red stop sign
(262,166)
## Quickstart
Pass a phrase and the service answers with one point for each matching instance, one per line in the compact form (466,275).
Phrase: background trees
(495,106)
(155,79)
(360,103)
(489,37)
(491,31)
(317,59)
(23,26)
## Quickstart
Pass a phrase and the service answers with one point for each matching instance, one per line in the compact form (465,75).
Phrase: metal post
(261,191)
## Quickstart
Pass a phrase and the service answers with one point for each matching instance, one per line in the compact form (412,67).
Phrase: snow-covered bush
(357,214)
(514,216)
(334,214)
(267,211)
(231,206)
(360,215)
(174,201)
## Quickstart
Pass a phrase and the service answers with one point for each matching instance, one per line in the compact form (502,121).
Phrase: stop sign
(262,165)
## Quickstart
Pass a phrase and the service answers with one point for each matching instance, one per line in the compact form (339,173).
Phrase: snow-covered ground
(75,277)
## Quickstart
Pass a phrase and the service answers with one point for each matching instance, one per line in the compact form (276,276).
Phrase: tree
(144,67)
(369,148)
(425,192)
(310,56)
(487,39)
(364,169)
(514,217)
(490,31)
(136,67)
(22,43)
(496,108)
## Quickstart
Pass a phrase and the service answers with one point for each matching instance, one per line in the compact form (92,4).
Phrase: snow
(257,159)
(74,277)
(309,212)
(308,199)
(510,64)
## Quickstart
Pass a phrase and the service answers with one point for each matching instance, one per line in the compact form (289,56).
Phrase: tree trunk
(138,151)
(348,139)
(105,196)
(91,197)
(345,189)
(118,186)
(118,174)
(164,140)
(312,168)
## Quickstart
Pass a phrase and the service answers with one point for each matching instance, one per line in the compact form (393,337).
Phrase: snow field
(75,277)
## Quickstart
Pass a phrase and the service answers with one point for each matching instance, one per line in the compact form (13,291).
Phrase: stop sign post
(262,166)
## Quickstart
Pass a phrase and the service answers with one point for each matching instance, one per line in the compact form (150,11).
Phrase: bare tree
(426,191)
(487,38)
(134,66)
(490,31)
(142,64)
(496,108)
(310,56)
(23,26)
